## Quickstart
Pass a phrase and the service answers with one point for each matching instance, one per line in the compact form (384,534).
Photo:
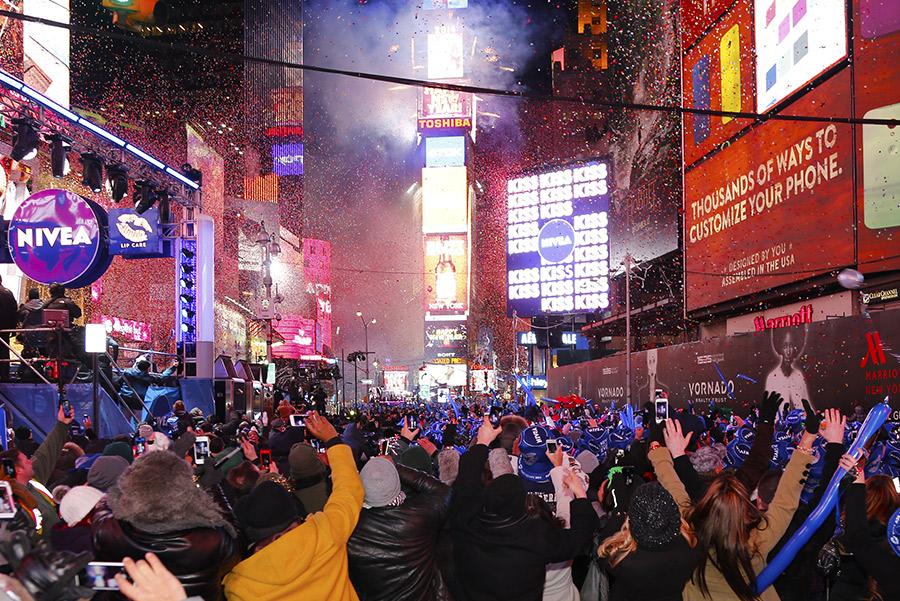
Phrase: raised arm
(346,499)
(44,459)
(760,456)
(787,497)
(468,487)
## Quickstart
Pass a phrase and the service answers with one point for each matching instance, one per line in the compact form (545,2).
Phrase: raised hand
(320,427)
(486,432)
(769,407)
(150,581)
(676,441)
(832,427)
(812,419)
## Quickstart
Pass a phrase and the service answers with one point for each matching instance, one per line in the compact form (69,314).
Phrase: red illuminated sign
(445,123)
(804,315)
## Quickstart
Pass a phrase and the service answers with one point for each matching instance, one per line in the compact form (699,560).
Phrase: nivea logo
(57,236)
(51,236)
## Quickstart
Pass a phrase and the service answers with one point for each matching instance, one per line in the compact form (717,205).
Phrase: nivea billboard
(58,236)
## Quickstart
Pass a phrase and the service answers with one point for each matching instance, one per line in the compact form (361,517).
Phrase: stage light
(187,313)
(116,182)
(187,299)
(187,253)
(92,168)
(165,211)
(59,155)
(145,196)
(25,139)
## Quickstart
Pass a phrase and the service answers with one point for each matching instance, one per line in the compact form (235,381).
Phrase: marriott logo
(804,315)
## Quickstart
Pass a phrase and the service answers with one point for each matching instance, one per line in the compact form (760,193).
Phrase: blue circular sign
(57,236)
(556,241)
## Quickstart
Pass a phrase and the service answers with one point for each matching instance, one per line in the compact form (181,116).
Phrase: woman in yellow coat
(298,559)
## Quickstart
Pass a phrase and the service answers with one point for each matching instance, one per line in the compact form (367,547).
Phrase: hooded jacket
(155,506)
(308,563)
(393,551)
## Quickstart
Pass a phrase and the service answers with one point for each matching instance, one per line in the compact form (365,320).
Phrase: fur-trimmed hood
(157,494)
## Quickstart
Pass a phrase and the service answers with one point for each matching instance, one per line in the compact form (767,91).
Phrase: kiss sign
(58,236)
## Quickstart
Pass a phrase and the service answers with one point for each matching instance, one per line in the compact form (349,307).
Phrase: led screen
(557,257)
(447,151)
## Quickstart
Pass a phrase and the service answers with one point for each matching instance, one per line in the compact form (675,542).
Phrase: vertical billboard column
(195,301)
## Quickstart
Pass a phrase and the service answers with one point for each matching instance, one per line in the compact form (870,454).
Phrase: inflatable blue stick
(724,381)
(529,396)
(877,416)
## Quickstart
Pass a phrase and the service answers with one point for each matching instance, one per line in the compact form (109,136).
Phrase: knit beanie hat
(448,466)
(653,516)
(122,449)
(79,502)
(105,472)
(304,462)
(504,498)
(266,511)
(417,458)
(382,483)
(498,461)
(588,461)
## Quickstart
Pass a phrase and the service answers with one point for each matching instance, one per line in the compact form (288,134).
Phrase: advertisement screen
(446,276)
(445,55)
(698,15)
(772,208)
(287,159)
(299,335)
(134,235)
(876,47)
(434,377)
(445,151)
(445,206)
(557,257)
(837,363)
(437,103)
(287,104)
(444,4)
(795,43)
(396,380)
(445,339)
(718,74)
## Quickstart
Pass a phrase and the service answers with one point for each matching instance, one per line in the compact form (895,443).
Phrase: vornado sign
(58,236)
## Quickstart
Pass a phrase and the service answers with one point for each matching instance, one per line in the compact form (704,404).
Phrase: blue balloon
(877,416)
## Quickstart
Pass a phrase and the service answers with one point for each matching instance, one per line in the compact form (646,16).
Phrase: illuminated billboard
(444,4)
(772,208)
(299,335)
(443,339)
(445,151)
(446,276)
(445,55)
(396,379)
(795,43)
(287,159)
(445,206)
(436,376)
(287,105)
(437,103)
(557,255)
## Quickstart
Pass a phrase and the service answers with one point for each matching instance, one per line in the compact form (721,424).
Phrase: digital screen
(445,207)
(445,339)
(446,276)
(287,159)
(557,257)
(436,103)
(795,43)
(445,55)
(445,151)
(396,380)
(440,376)
(299,335)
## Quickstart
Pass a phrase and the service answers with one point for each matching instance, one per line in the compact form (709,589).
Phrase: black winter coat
(393,554)
(507,562)
(199,557)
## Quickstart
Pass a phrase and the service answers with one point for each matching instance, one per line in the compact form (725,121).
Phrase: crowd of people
(474,501)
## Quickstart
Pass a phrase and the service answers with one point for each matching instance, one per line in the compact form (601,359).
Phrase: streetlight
(271,249)
(366,333)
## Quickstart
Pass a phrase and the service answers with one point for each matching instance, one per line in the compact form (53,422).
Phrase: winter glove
(813,419)
(769,407)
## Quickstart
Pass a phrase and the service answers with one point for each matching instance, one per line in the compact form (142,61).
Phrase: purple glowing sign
(57,236)
(287,159)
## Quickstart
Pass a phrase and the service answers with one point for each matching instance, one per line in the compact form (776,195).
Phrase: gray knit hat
(382,483)
(707,460)
(653,516)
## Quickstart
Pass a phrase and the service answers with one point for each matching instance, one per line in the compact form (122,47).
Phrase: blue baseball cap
(736,453)
(534,465)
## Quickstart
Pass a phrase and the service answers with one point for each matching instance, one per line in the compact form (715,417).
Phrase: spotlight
(59,155)
(187,313)
(187,328)
(187,299)
(93,171)
(145,196)
(186,283)
(116,182)
(187,252)
(25,139)
(165,208)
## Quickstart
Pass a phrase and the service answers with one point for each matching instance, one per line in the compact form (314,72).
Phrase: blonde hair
(618,546)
